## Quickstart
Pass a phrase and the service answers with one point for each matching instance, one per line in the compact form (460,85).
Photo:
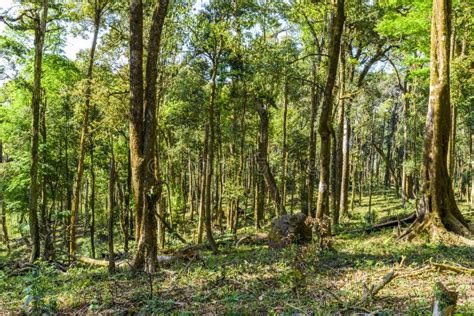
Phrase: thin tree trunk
(339,139)
(404,179)
(210,158)
(202,201)
(98,10)
(92,199)
(311,169)
(284,153)
(345,164)
(111,202)
(3,215)
(40,32)
(264,166)
(325,124)
(48,250)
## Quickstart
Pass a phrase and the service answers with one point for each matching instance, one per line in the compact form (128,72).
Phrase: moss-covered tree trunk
(439,212)
(325,121)
(40,32)
(142,130)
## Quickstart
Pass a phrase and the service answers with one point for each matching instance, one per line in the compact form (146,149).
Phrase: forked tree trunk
(438,212)
(142,131)
(264,166)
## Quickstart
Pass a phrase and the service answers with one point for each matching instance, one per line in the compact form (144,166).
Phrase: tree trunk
(388,163)
(438,211)
(40,32)
(284,154)
(98,10)
(339,139)
(325,124)
(259,198)
(142,130)
(3,215)
(202,185)
(404,180)
(92,198)
(345,164)
(112,202)
(311,168)
(263,164)
(210,158)
(48,250)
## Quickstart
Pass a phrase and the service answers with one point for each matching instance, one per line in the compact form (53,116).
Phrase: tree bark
(92,198)
(202,186)
(40,32)
(98,10)
(345,164)
(142,131)
(315,99)
(325,122)
(438,212)
(112,203)
(284,165)
(264,166)
(339,139)
(48,249)
(3,215)
(210,157)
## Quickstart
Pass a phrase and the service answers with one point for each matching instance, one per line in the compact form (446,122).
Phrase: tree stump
(444,301)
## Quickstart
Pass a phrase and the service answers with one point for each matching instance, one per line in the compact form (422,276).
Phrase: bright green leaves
(407,23)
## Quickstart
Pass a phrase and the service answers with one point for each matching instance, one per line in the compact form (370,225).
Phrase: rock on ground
(288,229)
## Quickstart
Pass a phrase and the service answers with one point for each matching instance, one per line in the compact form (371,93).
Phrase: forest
(293,157)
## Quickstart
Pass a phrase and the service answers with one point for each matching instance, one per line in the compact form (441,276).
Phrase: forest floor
(252,278)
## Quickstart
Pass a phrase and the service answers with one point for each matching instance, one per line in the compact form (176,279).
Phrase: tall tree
(142,130)
(40,18)
(325,121)
(99,8)
(438,212)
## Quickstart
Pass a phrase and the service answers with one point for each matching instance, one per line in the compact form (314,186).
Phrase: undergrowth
(253,278)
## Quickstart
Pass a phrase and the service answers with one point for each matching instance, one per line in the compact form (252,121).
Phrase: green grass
(253,278)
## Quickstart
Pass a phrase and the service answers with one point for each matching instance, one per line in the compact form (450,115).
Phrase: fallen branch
(457,269)
(371,291)
(100,263)
(242,239)
(391,223)
(118,264)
